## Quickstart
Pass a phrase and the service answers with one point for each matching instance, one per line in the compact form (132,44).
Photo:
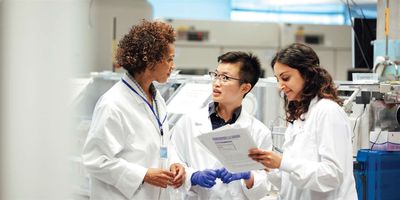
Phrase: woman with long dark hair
(317,158)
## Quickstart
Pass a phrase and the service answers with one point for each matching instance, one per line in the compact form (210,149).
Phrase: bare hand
(179,174)
(159,177)
(269,159)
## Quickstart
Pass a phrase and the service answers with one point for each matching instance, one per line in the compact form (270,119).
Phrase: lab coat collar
(202,120)
(299,124)
(135,86)
(213,115)
(244,119)
(310,107)
(160,101)
(126,78)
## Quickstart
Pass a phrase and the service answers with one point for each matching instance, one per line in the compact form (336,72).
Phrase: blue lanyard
(151,107)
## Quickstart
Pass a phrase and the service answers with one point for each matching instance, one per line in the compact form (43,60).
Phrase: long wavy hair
(318,82)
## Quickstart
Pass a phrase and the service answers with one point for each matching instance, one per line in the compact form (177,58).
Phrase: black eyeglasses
(222,77)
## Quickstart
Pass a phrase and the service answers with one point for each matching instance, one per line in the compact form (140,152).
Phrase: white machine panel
(327,60)
(228,33)
(264,54)
(328,36)
(200,42)
(331,43)
(343,64)
(209,39)
(192,57)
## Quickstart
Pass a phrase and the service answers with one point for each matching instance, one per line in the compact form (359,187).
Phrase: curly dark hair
(145,45)
(318,82)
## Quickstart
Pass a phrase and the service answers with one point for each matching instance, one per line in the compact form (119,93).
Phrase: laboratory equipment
(377,175)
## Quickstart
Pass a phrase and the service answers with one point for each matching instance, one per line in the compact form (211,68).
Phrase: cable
(366,24)
(362,12)
(355,123)
(373,143)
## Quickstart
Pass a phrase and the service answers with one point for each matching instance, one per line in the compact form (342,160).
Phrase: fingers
(226,176)
(165,178)
(173,169)
(177,183)
(210,181)
(224,173)
(269,159)
(158,177)
(211,176)
(235,177)
(179,176)
(256,152)
(179,173)
(176,169)
(160,184)
(167,174)
(211,173)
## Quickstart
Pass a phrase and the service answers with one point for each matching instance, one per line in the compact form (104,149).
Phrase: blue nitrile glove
(205,178)
(227,177)
(224,174)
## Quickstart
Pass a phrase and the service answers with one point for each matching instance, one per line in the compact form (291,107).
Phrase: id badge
(163,152)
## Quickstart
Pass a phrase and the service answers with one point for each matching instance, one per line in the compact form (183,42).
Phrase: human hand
(159,177)
(205,178)
(179,174)
(269,159)
(227,177)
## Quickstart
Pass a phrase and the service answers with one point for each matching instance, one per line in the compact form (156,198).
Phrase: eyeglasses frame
(214,76)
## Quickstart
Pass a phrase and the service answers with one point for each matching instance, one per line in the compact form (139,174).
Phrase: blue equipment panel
(377,175)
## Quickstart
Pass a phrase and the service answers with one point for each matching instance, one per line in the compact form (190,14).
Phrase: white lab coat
(317,162)
(123,142)
(195,157)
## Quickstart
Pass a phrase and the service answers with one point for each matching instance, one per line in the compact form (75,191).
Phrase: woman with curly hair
(317,160)
(126,151)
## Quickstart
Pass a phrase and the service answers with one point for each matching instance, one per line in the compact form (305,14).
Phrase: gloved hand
(205,178)
(227,177)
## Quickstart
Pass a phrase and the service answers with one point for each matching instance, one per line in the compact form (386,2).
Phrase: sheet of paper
(230,145)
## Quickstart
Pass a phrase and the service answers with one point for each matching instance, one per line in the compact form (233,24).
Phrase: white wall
(260,38)
(263,39)
(42,43)
(334,51)
(100,23)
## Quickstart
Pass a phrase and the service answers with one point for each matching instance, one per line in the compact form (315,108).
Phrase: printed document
(230,145)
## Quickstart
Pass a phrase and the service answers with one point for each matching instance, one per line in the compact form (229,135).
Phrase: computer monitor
(365,31)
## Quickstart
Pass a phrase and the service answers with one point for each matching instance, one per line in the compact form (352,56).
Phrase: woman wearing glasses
(317,160)
(125,152)
(235,76)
